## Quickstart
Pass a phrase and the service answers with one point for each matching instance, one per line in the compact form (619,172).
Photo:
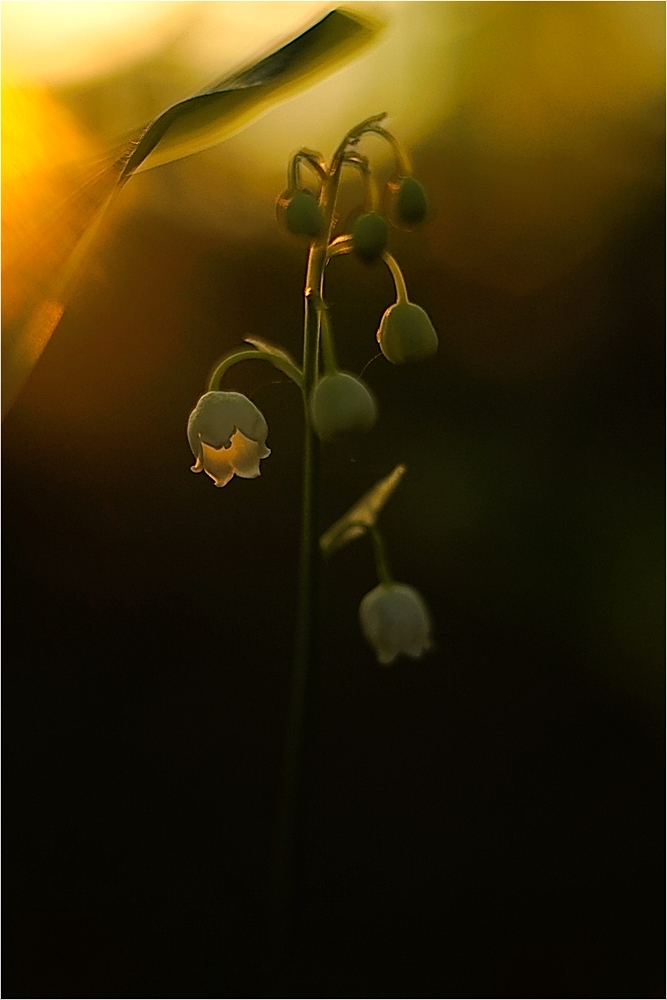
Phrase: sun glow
(45,210)
(61,43)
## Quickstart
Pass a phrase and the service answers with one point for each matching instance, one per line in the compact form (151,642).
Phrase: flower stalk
(279,361)
(381,560)
(397,275)
(303,666)
(227,435)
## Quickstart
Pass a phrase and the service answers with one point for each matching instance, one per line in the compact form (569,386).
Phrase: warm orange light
(40,145)
(44,212)
(241,457)
(63,42)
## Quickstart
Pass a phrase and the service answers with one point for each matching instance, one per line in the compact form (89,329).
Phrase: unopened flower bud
(406,334)
(369,234)
(409,203)
(395,620)
(299,212)
(341,404)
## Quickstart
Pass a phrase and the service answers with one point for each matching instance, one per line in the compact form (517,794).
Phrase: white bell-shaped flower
(227,434)
(395,620)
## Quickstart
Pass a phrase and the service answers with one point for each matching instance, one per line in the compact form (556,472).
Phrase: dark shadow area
(486,822)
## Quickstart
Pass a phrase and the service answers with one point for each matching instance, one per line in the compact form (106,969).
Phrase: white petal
(245,455)
(216,464)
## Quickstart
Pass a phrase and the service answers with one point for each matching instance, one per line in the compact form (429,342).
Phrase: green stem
(353,137)
(289,817)
(278,361)
(345,244)
(381,560)
(400,154)
(314,161)
(342,244)
(379,551)
(397,275)
(291,806)
(371,201)
(328,346)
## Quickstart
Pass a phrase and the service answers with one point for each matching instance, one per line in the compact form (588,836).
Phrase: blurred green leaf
(362,515)
(188,127)
(229,105)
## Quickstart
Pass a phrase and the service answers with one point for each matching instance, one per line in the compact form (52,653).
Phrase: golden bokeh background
(483,822)
(543,120)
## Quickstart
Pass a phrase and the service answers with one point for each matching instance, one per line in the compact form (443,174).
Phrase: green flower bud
(406,334)
(341,404)
(299,212)
(410,205)
(369,233)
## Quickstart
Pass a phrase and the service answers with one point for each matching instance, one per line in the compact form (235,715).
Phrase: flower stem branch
(402,161)
(279,361)
(341,244)
(379,550)
(397,275)
(353,137)
(313,160)
(371,196)
(381,561)
(345,244)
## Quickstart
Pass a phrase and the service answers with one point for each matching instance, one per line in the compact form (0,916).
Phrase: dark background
(485,822)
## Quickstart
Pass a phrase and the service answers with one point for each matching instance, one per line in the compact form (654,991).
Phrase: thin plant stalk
(285,877)
(208,421)
(283,909)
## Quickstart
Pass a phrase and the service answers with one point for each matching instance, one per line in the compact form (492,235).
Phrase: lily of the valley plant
(227,433)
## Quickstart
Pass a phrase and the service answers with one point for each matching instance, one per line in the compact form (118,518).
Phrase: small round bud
(369,233)
(340,405)
(299,212)
(406,334)
(410,205)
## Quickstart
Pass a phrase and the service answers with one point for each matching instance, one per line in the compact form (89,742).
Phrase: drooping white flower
(227,435)
(395,620)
